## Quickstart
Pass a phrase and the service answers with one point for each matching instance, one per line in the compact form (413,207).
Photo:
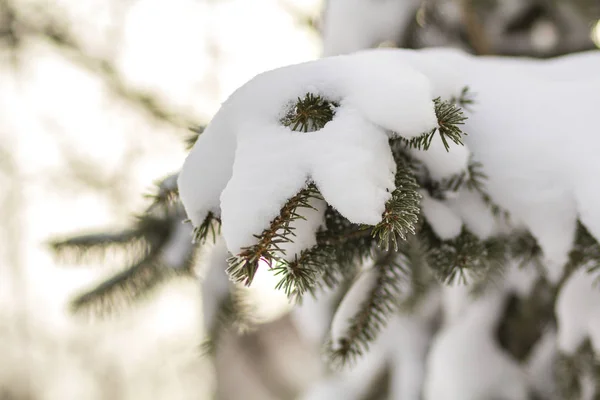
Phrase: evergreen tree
(349,178)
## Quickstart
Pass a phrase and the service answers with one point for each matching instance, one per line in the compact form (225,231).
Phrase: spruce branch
(210,227)
(451,259)
(166,194)
(97,246)
(136,242)
(401,211)
(309,114)
(137,281)
(380,303)
(449,116)
(345,245)
(585,252)
(243,266)
(301,274)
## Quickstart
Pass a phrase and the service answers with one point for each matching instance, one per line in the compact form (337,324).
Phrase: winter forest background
(96,102)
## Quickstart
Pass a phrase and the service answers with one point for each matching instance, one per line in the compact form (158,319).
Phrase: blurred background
(97,99)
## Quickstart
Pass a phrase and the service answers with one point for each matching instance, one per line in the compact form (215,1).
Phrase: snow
(215,286)
(532,128)
(577,312)
(178,249)
(246,165)
(304,229)
(351,305)
(465,363)
(476,215)
(351,25)
(442,163)
(540,365)
(445,223)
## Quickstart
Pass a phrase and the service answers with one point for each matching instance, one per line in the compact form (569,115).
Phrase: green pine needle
(381,302)
(210,227)
(243,266)
(309,114)
(451,259)
(401,211)
(122,289)
(449,116)
(300,275)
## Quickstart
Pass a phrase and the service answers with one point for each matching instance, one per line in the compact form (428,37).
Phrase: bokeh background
(96,101)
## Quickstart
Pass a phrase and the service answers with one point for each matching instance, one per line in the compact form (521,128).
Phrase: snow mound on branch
(577,312)
(465,362)
(534,129)
(246,164)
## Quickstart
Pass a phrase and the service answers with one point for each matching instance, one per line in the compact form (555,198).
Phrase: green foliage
(401,211)
(301,274)
(309,114)
(382,300)
(210,227)
(166,195)
(449,116)
(243,267)
(451,259)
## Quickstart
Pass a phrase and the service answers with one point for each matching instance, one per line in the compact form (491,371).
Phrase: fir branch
(301,274)
(211,226)
(585,252)
(381,302)
(166,194)
(401,211)
(524,248)
(243,266)
(451,259)
(449,116)
(127,286)
(97,246)
(345,245)
(136,242)
(309,114)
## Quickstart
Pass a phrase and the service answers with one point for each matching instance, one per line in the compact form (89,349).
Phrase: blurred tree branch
(16,26)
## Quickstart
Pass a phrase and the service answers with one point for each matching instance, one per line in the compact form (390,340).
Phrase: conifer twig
(243,266)
(381,301)
(401,211)
(449,116)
